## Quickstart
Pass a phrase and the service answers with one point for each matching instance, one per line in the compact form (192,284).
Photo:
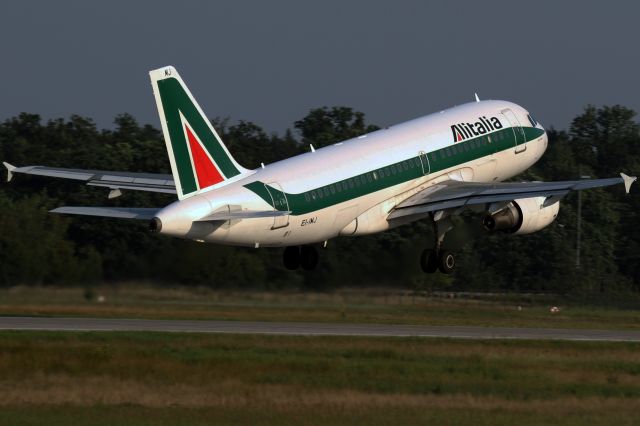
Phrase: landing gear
(437,258)
(446,262)
(291,257)
(429,261)
(294,257)
(308,258)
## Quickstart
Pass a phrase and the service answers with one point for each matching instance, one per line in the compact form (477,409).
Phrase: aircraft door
(518,131)
(280,203)
(426,166)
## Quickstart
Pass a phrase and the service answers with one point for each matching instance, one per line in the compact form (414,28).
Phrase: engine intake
(522,216)
(508,219)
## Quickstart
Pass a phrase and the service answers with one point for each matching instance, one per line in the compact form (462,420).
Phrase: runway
(313,329)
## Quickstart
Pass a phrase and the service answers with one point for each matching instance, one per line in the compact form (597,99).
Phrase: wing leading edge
(453,194)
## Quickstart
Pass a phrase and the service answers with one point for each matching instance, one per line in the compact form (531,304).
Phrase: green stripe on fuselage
(396,173)
(175,100)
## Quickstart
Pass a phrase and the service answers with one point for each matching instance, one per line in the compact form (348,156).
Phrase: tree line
(41,248)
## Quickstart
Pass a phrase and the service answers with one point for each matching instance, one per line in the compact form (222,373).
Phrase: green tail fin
(199,159)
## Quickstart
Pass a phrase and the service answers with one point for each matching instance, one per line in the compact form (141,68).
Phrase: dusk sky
(270,62)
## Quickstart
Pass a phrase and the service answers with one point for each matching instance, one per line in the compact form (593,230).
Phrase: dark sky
(271,61)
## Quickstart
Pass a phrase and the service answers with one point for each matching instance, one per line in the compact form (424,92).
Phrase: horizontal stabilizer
(628,180)
(242,214)
(114,212)
(10,169)
(109,179)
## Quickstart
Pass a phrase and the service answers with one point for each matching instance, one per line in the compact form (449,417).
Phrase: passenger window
(306,196)
(333,189)
(393,169)
(375,176)
(339,186)
(320,193)
(326,191)
(313,195)
(351,183)
(433,156)
(369,178)
(357,179)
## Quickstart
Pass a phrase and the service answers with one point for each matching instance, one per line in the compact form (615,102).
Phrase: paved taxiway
(312,329)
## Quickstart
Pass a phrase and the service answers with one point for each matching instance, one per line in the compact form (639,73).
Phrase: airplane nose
(544,143)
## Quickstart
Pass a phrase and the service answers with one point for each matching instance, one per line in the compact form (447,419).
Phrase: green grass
(167,379)
(256,415)
(359,306)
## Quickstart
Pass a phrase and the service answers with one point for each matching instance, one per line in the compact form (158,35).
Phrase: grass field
(167,379)
(360,306)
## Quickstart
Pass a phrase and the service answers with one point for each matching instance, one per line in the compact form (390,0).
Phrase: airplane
(429,168)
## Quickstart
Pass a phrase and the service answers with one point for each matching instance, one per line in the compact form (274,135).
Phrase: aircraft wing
(112,180)
(454,194)
(114,212)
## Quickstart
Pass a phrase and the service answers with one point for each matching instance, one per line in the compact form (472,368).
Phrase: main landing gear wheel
(433,259)
(291,257)
(308,258)
(429,261)
(294,257)
(446,262)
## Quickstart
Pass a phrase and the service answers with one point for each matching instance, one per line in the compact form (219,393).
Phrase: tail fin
(199,159)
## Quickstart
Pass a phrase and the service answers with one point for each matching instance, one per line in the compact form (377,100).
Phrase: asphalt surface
(312,329)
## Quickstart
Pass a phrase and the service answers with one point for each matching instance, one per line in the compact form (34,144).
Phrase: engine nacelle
(522,216)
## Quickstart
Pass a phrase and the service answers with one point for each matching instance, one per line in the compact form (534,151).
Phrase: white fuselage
(364,214)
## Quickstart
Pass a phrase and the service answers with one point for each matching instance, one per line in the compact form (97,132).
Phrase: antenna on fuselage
(477,98)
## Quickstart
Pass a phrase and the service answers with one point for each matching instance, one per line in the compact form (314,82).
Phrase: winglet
(477,98)
(628,180)
(10,169)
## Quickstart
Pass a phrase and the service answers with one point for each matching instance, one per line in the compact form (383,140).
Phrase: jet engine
(522,216)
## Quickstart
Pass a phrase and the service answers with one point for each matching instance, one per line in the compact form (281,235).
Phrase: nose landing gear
(433,259)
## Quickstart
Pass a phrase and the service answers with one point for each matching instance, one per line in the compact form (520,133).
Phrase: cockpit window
(533,121)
